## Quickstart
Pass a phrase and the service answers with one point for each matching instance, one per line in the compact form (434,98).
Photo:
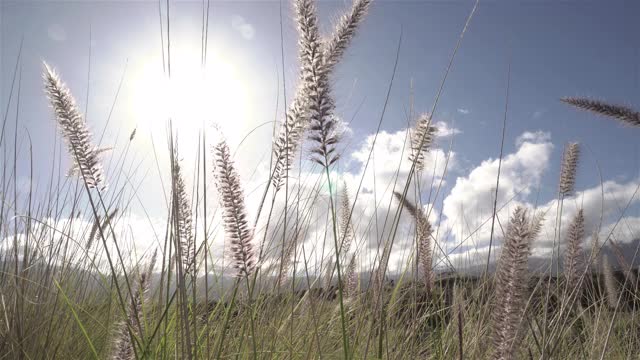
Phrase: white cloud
(342,128)
(605,202)
(464,111)
(245,29)
(136,236)
(57,33)
(387,172)
(375,206)
(533,137)
(389,161)
(468,208)
(444,130)
(470,202)
(463,216)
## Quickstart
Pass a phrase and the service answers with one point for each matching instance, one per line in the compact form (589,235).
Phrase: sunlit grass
(72,285)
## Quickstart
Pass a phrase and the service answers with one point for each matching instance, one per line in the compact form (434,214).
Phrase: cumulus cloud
(246,30)
(462,223)
(387,172)
(605,218)
(375,206)
(389,162)
(603,207)
(136,237)
(342,128)
(464,111)
(444,130)
(471,198)
(468,208)
(534,137)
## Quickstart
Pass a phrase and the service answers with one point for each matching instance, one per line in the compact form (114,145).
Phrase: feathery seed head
(423,233)
(621,113)
(123,347)
(312,103)
(152,262)
(421,139)
(610,283)
(183,215)
(286,260)
(309,42)
(569,167)
(74,170)
(628,271)
(380,273)
(74,130)
(345,30)
(289,138)
(345,221)
(511,285)
(234,215)
(317,91)
(93,231)
(97,225)
(572,261)
(352,279)
(536,225)
(328,274)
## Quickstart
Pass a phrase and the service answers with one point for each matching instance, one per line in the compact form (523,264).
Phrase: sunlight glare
(193,97)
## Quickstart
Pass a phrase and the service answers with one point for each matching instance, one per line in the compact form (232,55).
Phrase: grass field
(73,287)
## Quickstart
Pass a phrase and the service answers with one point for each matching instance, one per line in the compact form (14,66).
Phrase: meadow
(71,287)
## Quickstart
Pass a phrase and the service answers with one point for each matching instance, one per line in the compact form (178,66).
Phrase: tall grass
(303,284)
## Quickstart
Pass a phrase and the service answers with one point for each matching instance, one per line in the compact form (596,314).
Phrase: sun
(193,97)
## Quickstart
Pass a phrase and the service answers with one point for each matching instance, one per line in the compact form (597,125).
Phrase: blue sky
(571,48)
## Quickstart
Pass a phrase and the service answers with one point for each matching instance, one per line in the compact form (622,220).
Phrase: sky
(110,54)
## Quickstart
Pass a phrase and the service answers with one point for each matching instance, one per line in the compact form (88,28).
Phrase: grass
(71,288)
